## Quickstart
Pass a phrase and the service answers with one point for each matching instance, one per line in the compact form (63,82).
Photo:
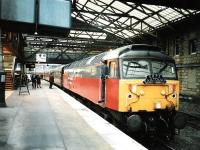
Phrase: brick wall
(190,81)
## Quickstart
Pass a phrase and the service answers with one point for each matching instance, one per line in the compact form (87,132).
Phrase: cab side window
(113,72)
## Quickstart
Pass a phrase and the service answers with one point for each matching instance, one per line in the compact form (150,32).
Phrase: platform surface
(50,119)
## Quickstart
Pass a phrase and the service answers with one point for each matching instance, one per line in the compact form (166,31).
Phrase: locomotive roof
(128,51)
(136,50)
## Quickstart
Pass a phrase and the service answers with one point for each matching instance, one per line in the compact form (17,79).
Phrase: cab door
(112,86)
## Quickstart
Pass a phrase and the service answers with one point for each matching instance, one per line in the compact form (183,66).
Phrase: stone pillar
(1,54)
(2,77)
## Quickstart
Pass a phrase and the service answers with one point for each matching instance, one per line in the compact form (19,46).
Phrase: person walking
(51,80)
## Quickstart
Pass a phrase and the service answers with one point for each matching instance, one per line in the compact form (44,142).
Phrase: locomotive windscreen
(140,68)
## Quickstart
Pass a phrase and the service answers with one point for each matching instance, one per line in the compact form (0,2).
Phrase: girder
(101,25)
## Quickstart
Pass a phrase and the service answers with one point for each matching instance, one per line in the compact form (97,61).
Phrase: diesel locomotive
(141,87)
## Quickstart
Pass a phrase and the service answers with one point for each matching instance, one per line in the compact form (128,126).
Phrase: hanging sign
(40,57)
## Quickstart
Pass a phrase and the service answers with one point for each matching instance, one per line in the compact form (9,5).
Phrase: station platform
(50,119)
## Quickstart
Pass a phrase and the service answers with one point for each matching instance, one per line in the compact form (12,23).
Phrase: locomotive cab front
(149,91)
(149,85)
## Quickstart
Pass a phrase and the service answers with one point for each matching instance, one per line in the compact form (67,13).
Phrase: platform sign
(17,10)
(55,13)
(40,57)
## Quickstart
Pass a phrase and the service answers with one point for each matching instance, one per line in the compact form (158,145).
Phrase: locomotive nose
(134,123)
(179,121)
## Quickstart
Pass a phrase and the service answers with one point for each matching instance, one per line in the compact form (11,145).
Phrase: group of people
(36,81)
(24,79)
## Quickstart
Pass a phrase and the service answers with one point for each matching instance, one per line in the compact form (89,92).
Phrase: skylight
(121,6)
(126,19)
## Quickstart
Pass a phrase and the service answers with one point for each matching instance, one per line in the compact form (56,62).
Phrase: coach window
(113,69)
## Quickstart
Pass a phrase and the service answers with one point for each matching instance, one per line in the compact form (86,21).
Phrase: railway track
(160,145)
(192,121)
(167,147)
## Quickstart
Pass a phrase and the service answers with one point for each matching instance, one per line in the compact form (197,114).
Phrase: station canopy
(100,25)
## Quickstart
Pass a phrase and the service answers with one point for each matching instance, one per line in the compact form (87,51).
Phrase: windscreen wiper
(163,68)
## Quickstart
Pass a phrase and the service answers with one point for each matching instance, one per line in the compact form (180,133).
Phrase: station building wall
(185,49)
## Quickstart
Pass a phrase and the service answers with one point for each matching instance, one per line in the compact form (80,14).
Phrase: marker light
(142,93)
(133,89)
(158,105)
(163,93)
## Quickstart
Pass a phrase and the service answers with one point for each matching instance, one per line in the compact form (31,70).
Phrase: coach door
(112,86)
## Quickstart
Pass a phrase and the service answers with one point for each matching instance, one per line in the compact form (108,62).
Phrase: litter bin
(2,89)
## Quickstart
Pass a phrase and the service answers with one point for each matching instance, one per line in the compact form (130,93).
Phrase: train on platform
(141,87)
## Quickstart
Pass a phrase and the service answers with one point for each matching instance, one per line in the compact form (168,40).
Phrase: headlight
(174,95)
(171,88)
(130,96)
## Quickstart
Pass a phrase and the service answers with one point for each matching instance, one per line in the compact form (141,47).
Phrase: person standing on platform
(38,81)
(24,80)
(33,80)
(51,80)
